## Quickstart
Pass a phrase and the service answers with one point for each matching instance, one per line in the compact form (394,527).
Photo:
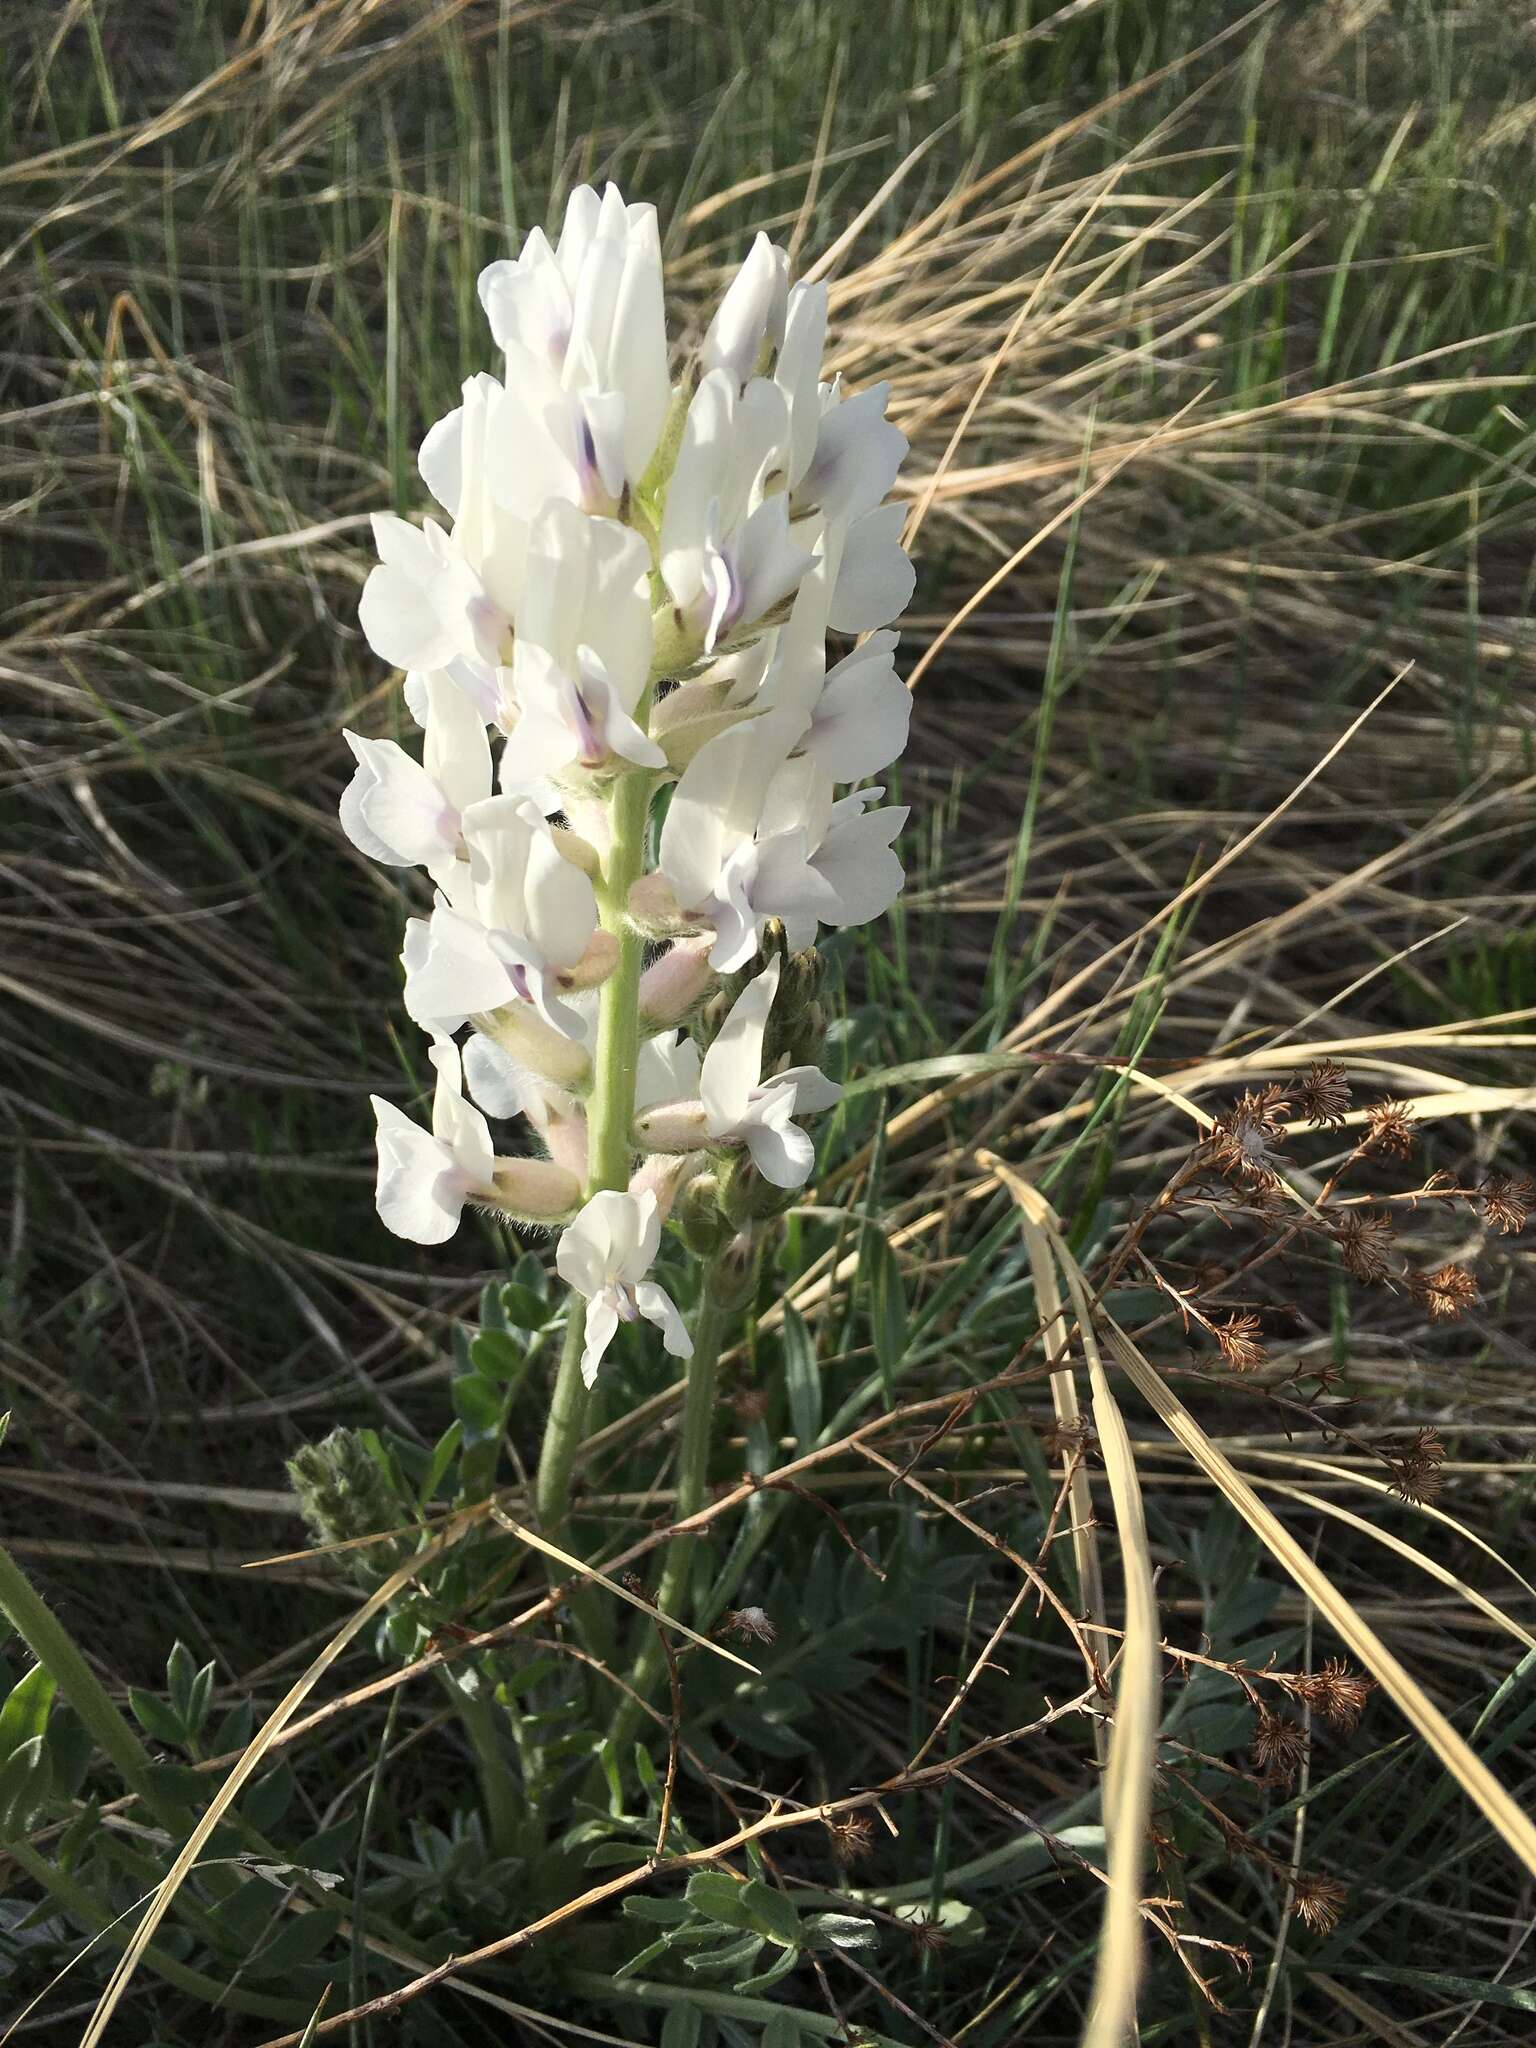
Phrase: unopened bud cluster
(634,586)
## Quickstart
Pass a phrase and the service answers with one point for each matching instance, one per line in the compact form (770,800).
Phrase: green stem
(77,1901)
(54,1648)
(692,1485)
(503,1809)
(610,1122)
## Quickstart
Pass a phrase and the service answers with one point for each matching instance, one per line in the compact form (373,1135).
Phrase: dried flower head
(1322,1095)
(852,1835)
(1279,1746)
(1319,1902)
(1417,1467)
(1335,1692)
(748,1624)
(1244,1140)
(1241,1345)
(1506,1201)
(1391,1129)
(1068,1440)
(1445,1294)
(1364,1238)
(928,1937)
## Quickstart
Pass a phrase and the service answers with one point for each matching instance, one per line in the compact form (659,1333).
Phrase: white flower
(426,1177)
(525,915)
(857,454)
(859,712)
(589,312)
(582,655)
(726,552)
(504,1086)
(605,1255)
(711,824)
(424,606)
(410,813)
(737,1107)
(752,834)
(817,860)
(752,313)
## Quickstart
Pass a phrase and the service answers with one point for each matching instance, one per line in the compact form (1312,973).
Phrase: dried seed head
(1319,1902)
(927,1936)
(1240,1343)
(852,1835)
(1243,1143)
(1391,1129)
(1445,1294)
(1279,1746)
(1322,1095)
(1335,1692)
(1506,1200)
(1068,1440)
(1364,1238)
(749,1624)
(1417,1465)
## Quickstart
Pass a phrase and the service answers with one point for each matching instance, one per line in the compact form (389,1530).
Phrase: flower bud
(666,1177)
(519,1030)
(566,1139)
(595,965)
(344,1493)
(674,985)
(537,1190)
(735,1271)
(652,908)
(673,1127)
(700,1222)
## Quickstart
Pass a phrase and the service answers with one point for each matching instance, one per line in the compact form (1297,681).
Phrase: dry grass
(1185,517)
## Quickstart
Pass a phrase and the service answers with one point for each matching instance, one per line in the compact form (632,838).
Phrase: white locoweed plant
(631,596)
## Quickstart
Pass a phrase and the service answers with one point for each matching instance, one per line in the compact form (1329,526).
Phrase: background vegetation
(1211,332)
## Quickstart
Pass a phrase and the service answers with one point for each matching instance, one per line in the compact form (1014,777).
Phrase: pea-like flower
(519,925)
(426,1177)
(605,1255)
(410,813)
(736,1106)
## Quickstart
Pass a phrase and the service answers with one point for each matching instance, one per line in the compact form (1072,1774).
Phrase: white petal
(402,623)
(813,1091)
(695,485)
(658,1307)
(602,1320)
(875,579)
(752,311)
(861,720)
(582,1255)
(667,1070)
(716,804)
(451,971)
(457,750)
(781,1152)
(733,1065)
(494,1078)
(416,1189)
(456,1122)
(856,861)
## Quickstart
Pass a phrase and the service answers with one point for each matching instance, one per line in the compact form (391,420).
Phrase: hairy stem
(610,1122)
(692,1485)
